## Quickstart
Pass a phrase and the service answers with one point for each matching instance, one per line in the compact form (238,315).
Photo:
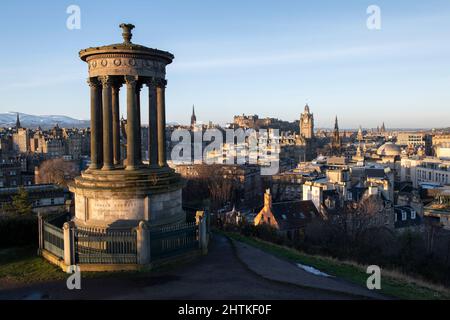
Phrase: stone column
(152,125)
(143,243)
(96,124)
(116,122)
(107,123)
(132,123)
(138,133)
(161,122)
(69,252)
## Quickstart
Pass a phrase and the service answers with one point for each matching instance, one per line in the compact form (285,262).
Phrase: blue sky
(234,57)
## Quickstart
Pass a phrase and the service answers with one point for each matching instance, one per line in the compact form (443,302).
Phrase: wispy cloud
(39,81)
(298,57)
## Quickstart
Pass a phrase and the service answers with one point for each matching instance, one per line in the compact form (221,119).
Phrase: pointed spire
(360,134)
(336,126)
(18,122)
(193,117)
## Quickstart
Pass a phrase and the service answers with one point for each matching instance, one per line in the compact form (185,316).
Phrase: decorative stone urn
(118,190)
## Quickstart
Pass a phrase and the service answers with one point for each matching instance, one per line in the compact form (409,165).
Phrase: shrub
(18,231)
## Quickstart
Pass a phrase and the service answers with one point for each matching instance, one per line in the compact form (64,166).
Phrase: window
(52,201)
(413,214)
(403,215)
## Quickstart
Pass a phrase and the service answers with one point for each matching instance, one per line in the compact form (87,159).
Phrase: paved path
(219,275)
(283,271)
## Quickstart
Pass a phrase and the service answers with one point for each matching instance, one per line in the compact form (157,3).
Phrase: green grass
(392,283)
(23,265)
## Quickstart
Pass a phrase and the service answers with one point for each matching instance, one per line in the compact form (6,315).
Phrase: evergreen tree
(20,203)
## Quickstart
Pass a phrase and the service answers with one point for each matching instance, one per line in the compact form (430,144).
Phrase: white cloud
(298,57)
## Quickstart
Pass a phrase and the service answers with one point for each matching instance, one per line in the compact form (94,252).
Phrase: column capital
(93,82)
(107,81)
(130,80)
(151,83)
(162,83)
(116,83)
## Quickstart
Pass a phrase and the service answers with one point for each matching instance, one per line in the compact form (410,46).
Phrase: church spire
(360,136)
(193,117)
(18,122)
(336,139)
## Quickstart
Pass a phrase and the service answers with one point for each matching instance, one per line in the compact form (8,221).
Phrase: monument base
(118,199)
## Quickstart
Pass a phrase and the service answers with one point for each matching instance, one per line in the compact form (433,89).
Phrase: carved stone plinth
(121,198)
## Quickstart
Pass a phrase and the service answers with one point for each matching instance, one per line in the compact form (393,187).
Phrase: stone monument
(118,192)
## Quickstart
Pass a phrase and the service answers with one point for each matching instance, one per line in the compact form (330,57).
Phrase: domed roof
(126,47)
(389,149)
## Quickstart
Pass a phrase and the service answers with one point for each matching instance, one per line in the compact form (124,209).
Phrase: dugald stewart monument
(119,190)
(127,214)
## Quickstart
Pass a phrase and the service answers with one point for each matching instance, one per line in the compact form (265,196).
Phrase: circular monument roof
(127,47)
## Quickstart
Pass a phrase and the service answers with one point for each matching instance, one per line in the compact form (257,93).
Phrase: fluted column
(152,125)
(138,133)
(132,123)
(116,122)
(161,122)
(96,124)
(107,123)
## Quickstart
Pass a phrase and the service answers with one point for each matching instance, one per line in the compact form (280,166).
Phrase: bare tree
(58,171)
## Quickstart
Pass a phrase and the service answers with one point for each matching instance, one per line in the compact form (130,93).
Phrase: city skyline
(56,120)
(258,151)
(261,59)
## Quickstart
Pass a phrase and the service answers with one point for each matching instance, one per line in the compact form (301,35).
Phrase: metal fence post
(143,243)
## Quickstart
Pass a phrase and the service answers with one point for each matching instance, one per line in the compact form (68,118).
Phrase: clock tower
(307,124)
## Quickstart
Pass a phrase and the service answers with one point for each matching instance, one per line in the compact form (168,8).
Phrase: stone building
(439,209)
(44,198)
(427,170)
(247,178)
(289,218)
(415,140)
(21,140)
(246,121)
(13,173)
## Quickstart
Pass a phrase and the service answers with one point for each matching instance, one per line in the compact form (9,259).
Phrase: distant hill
(45,122)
